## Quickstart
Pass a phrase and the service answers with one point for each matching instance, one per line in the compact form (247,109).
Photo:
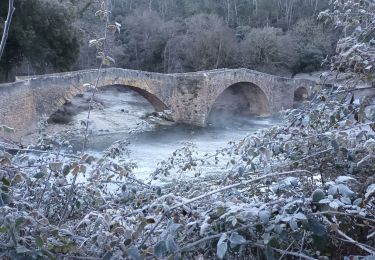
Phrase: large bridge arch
(63,112)
(55,92)
(158,105)
(242,97)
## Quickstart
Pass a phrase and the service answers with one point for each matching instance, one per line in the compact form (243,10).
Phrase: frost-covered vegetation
(304,189)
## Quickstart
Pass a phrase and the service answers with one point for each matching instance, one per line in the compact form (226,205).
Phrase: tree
(267,49)
(313,43)
(208,43)
(141,44)
(6,26)
(41,33)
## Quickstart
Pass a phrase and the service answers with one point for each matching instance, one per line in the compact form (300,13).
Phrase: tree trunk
(7,26)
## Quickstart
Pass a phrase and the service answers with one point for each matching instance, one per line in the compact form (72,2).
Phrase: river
(120,113)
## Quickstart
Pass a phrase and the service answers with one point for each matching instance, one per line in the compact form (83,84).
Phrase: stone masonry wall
(189,96)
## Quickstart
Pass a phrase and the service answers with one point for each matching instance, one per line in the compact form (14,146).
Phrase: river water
(120,113)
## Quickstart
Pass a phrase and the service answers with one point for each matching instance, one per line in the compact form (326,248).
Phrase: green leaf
(55,166)
(4,229)
(5,197)
(66,170)
(160,249)
(39,175)
(6,182)
(222,246)
(237,239)
(19,221)
(150,221)
(39,241)
(318,195)
(316,227)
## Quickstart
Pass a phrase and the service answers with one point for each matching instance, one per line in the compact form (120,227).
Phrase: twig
(195,243)
(286,252)
(131,178)
(81,257)
(343,213)
(271,175)
(72,187)
(349,239)
(152,231)
(352,90)
(302,242)
(11,10)
(38,151)
(237,185)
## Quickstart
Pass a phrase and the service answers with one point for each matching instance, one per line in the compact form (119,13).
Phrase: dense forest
(274,36)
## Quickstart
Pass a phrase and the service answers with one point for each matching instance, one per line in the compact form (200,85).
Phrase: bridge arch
(243,97)
(301,94)
(158,105)
(56,111)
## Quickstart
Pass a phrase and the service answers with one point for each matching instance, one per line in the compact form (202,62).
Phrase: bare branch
(11,10)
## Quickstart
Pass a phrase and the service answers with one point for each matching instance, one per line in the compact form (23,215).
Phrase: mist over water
(120,113)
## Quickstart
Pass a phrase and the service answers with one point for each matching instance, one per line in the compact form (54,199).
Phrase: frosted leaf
(222,246)
(357,201)
(300,216)
(92,43)
(264,216)
(346,201)
(343,179)
(237,239)
(324,201)
(293,224)
(370,190)
(341,189)
(370,145)
(334,204)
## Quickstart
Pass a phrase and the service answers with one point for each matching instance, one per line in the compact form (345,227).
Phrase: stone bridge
(189,96)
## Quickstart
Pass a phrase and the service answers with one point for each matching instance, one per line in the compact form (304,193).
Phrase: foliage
(355,51)
(41,34)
